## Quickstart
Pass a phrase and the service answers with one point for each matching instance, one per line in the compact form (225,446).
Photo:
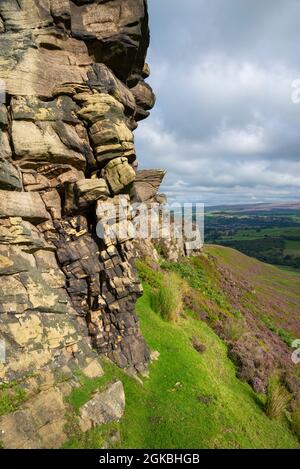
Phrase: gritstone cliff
(73,87)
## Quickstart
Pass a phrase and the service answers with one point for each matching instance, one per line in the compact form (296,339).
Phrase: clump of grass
(278,398)
(166,300)
(11,397)
(296,420)
(234,329)
(201,278)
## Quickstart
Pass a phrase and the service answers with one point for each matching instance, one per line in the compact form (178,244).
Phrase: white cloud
(224,127)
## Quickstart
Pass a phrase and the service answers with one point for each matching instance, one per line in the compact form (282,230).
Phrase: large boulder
(90,190)
(118,174)
(117,32)
(105,407)
(108,129)
(27,205)
(147,183)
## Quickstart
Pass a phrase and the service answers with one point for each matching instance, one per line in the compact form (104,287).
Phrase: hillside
(192,397)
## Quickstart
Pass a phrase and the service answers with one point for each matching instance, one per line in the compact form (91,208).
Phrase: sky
(224,126)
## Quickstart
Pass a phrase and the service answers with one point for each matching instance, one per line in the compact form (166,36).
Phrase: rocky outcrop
(73,73)
(74,79)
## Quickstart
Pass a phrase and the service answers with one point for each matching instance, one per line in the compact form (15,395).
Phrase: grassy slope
(276,291)
(168,410)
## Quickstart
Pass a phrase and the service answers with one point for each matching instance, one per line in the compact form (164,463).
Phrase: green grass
(11,397)
(191,400)
(278,398)
(282,333)
(287,268)
(200,276)
(167,298)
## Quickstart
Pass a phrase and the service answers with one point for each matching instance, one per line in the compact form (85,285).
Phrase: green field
(242,235)
(292,248)
(272,238)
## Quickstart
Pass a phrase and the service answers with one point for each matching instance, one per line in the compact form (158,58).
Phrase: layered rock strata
(72,89)
(72,80)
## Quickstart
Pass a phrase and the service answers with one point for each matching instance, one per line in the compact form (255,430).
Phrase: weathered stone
(26,72)
(161,199)
(145,99)
(36,144)
(25,15)
(16,231)
(118,174)
(109,133)
(38,424)
(27,205)
(69,116)
(34,181)
(118,33)
(103,80)
(147,183)
(34,109)
(61,11)
(93,369)
(146,71)
(115,209)
(71,176)
(105,407)
(9,176)
(52,201)
(90,190)
(3,115)
(5,149)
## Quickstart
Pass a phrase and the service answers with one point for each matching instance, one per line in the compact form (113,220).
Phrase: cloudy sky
(224,125)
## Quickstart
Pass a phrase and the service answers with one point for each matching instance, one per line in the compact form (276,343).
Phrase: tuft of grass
(278,398)
(201,276)
(11,397)
(234,329)
(166,300)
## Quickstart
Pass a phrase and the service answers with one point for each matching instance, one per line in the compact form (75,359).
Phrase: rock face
(73,74)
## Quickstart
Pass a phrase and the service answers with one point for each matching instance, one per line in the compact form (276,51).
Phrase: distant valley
(268,232)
